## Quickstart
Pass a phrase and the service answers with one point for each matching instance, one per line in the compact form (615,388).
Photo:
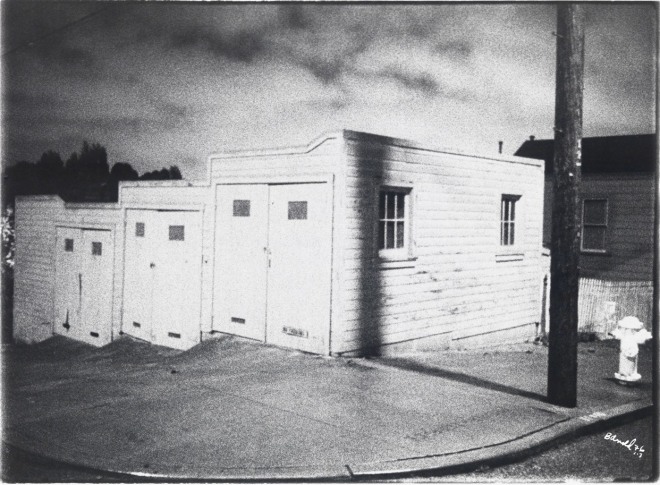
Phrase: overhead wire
(56,31)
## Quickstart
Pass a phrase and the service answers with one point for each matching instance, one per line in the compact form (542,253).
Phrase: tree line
(86,176)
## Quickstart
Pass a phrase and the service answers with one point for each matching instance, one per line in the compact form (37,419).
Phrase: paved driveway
(230,408)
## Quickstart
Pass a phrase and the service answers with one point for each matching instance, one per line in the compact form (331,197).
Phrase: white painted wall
(34,273)
(463,289)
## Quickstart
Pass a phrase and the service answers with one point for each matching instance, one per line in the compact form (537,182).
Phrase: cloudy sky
(161,84)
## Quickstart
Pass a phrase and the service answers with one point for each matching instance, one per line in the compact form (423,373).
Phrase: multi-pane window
(594,224)
(508,219)
(392,219)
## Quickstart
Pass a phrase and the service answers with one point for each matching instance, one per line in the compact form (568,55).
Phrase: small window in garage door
(297,210)
(241,208)
(177,233)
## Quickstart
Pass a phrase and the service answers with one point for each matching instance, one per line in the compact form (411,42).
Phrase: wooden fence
(603,303)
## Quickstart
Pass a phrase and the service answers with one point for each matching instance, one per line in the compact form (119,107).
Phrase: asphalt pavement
(230,409)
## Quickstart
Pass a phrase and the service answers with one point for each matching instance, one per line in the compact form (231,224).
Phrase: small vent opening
(94,334)
(238,320)
(174,335)
(137,325)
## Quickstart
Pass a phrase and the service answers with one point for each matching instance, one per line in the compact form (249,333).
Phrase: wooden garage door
(139,261)
(272,263)
(162,278)
(83,284)
(299,240)
(241,260)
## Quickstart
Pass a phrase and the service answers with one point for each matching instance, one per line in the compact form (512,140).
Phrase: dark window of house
(594,224)
(508,220)
(298,209)
(241,208)
(68,245)
(97,248)
(139,229)
(176,233)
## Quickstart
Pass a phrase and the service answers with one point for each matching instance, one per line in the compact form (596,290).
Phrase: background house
(616,201)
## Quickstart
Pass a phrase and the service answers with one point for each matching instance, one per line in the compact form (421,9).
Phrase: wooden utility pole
(564,277)
(655,319)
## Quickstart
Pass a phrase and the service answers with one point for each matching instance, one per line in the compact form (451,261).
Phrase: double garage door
(162,277)
(272,263)
(83,284)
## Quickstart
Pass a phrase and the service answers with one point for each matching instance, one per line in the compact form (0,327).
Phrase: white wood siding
(36,220)
(456,289)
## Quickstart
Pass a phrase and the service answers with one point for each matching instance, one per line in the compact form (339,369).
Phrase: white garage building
(354,244)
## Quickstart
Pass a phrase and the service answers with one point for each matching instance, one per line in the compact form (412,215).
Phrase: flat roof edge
(161,183)
(407,143)
(41,197)
(353,135)
(92,205)
(290,150)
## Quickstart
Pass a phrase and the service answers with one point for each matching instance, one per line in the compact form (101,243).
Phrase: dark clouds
(70,60)
(423,82)
(149,77)
(327,63)
(459,48)
(241,46)
(328,71)
(294,17)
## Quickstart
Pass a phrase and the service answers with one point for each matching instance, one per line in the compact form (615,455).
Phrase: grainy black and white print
(308,241)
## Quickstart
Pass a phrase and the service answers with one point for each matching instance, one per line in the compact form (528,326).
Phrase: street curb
(509,451)
(437,465)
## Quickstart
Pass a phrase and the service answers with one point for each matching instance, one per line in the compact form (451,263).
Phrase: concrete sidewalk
(230,409)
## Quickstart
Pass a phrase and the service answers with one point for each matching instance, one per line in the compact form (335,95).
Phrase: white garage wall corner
(37,222)
(34,269)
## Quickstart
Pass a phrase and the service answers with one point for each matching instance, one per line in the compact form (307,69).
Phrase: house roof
(603,154)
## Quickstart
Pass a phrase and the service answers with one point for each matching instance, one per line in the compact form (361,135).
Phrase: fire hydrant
(631,333)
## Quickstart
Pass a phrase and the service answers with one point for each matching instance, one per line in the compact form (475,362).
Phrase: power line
(58,30)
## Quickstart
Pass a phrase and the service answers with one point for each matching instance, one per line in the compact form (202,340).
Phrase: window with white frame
(594,224)
(394,221)
(508,219)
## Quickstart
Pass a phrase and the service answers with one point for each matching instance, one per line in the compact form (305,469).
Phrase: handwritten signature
(637,450)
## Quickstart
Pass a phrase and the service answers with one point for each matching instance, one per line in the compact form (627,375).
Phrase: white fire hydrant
(631,333)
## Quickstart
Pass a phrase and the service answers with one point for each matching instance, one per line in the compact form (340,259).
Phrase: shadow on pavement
(461,377)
